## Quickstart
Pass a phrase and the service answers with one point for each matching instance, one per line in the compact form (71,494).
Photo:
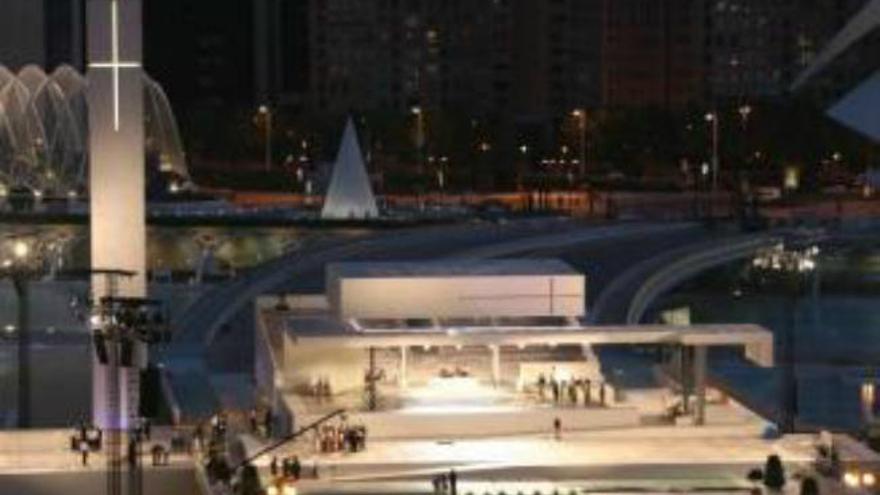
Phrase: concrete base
(165,481)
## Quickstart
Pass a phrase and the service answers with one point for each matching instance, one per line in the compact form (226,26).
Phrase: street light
(581,116)
(266,112)
(420,136)
(712,118)
(793,267)
(744,112)
(22,260)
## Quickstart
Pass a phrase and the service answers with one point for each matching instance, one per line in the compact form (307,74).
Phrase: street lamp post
(420,136)
(266,112)
(581,116)
(745,111)
(792,267)
(21,259)
(712,119)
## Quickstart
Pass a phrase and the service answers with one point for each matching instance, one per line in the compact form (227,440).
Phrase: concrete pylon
(116,171)
(350,195)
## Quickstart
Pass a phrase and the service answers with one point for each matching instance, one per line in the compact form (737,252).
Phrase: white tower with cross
(116,172)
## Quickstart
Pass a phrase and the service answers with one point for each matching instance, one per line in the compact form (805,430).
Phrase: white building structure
(467,339)
(456,289)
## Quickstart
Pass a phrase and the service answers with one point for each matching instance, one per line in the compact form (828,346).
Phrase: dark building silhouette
(653,52)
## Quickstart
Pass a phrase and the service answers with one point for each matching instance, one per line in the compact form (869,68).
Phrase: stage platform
(459,408)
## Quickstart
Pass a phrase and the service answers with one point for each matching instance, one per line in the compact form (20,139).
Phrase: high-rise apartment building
(201,51)
(46,33)
(653,52)
(755,48)
(523,57)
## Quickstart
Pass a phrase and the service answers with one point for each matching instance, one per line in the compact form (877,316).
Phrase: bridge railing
(681,269)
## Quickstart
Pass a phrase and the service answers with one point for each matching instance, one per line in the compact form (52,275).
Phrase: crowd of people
(341,438)
(267,421)
(85,439)
(571,392)
(320,389)
(446,483)
(290,467)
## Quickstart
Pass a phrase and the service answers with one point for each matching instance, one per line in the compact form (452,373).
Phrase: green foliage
(755,475)
(809,486)
(217,468)
(250,481)
(774,473)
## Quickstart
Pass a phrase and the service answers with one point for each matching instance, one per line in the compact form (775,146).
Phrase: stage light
(851,479)
(100,348)
(20,249)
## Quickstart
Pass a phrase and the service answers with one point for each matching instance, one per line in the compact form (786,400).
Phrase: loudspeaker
(126,353)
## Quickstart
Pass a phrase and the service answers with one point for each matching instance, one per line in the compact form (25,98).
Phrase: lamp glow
(20,249)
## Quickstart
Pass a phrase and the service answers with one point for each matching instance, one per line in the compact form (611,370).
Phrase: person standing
(453,482)
(273,466)
(557,428)
(267,423)
(542,384)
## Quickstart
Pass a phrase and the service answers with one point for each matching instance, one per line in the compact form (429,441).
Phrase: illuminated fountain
(44,133)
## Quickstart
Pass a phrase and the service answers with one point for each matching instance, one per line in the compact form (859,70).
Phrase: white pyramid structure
(349,195)
(858,109)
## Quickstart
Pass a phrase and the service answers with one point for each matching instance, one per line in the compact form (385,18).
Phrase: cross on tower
(115,64)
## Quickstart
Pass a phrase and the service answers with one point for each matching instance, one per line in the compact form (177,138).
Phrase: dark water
(836,331)
(61,384)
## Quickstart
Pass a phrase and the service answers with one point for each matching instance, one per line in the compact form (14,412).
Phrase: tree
(755,476)
(250,481)
(774,473)
(809,486)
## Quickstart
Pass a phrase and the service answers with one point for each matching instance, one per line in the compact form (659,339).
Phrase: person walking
(273,466)
(84,451)
(252,419)
(295,468)
(453,482)
(557,428)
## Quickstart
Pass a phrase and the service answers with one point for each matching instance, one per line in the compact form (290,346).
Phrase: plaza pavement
(48,451)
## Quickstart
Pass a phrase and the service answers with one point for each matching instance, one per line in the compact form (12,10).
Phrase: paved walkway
(48,451)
